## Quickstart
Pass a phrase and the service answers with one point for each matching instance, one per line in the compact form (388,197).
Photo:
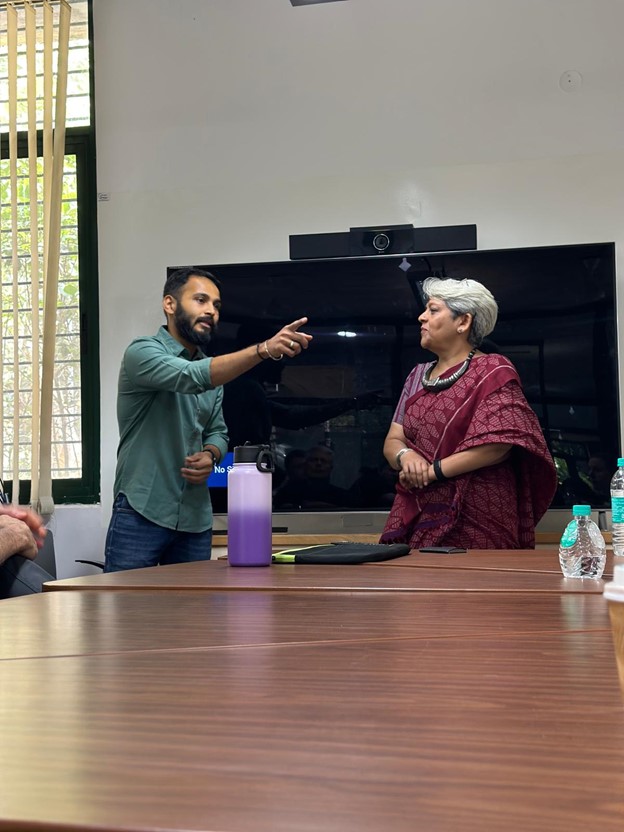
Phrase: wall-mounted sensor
(571,81)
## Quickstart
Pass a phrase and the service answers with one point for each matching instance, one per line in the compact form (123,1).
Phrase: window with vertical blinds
(75,420)
(78,81)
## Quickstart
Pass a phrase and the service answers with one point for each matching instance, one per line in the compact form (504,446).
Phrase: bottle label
(617,508)
(569,535)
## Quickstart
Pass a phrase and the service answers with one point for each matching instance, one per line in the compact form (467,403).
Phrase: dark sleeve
(302,415)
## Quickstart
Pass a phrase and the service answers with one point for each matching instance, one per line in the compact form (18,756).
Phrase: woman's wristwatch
(397,458)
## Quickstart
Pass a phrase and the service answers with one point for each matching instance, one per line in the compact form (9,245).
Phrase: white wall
(225,126)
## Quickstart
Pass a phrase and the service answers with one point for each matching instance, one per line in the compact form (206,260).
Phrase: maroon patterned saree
(495,507)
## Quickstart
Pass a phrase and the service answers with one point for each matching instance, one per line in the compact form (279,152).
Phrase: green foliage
(17,285)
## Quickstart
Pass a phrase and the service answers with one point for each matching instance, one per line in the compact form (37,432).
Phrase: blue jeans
(133,542)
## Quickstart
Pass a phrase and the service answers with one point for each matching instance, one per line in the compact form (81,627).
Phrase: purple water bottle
(249,506)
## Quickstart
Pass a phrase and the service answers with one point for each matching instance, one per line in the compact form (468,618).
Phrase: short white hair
(466,297)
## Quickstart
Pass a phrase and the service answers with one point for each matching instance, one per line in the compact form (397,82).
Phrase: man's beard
(201,338)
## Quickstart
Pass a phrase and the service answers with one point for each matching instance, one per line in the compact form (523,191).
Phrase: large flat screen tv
(328,411)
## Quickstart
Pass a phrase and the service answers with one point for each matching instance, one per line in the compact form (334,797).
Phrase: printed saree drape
(496,507)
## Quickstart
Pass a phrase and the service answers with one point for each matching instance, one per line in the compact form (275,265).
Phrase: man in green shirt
(171,426)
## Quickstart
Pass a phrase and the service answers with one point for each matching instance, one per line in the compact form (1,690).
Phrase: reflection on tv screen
(325,414)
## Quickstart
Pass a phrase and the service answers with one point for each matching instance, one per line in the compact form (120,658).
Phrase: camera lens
(381,241)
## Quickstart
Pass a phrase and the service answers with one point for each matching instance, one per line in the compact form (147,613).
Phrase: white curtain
(36,32)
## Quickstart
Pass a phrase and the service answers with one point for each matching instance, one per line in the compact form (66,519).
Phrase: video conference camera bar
(385,239)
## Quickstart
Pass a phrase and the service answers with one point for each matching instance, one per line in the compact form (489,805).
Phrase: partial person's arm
(402,458)
(288,341)
(294,416)
(416,472)
(199,466)
(150,367)
(460,463)
(28,516)
(395,449)
(17,538)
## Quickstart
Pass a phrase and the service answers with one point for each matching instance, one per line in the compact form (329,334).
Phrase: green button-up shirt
(167,408)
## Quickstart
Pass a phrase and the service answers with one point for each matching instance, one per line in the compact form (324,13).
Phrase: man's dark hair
(178,279)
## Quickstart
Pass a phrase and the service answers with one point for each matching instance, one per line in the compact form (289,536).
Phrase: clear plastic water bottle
(617,509)
(249,506)
(582,551)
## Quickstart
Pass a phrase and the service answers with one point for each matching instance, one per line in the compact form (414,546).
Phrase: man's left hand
(197,468)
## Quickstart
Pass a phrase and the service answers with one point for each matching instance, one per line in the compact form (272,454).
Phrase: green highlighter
(290,555)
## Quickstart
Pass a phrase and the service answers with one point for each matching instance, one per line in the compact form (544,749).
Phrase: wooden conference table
(399,696)
(476,571)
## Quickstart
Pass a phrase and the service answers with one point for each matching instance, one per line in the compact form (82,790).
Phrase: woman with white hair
(474,469)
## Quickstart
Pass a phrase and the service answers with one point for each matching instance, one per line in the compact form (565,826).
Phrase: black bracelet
(437,470)
(212,454)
